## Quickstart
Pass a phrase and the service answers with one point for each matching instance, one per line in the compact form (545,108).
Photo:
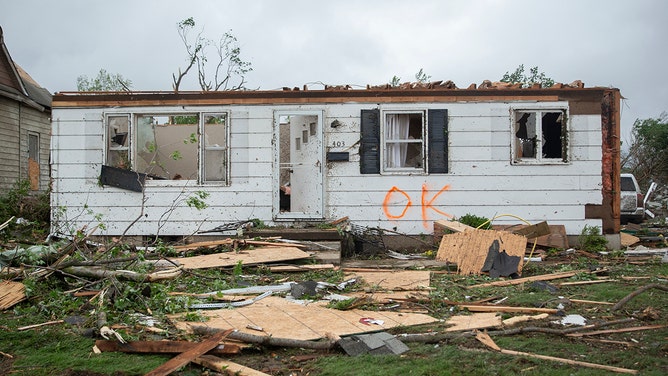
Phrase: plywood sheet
(394,280)
(11,293)
(473,321)
(247,257)
(279,317)
(469,249)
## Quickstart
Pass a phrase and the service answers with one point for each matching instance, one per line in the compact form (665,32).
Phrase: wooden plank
(555,238)
(533,231)
(473,321)
(494,308)
(246,257)
(300,268)
(187,356)
(226,366)
(161,347)
(628,239)
(469,249)
(395,280)
(453,226)
(285,319)
(622,330)
(519,281)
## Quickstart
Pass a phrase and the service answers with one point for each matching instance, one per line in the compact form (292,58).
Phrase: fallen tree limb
(42,324)
(101,273)
(639,291)
(267,340)
(487,341)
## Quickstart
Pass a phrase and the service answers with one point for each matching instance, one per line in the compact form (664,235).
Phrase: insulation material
(282,318)
(469,249)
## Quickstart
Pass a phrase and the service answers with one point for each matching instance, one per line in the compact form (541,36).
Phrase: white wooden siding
(480,181)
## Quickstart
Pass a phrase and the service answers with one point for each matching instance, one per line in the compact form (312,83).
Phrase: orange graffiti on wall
(425,203)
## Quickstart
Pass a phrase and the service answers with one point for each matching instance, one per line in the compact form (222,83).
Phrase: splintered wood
(284,319)
(469,249)
(246,257)
(11,293)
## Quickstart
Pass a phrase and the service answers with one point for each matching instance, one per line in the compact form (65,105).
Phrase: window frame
(132,140)
(384,140)
(539,111)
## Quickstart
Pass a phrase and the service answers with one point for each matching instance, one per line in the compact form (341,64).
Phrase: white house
(395,158)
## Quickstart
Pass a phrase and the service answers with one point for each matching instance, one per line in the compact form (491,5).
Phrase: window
(403,142)
(170,146)
(540,136)
(33,146)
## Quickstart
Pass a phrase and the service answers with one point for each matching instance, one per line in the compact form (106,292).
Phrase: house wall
(480,181)
(17,120)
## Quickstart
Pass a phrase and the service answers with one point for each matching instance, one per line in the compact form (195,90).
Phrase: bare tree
(229,70)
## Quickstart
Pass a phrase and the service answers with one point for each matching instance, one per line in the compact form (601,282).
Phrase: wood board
(473,321)
(395,280)
(282,318)
(469,249)
(247,257)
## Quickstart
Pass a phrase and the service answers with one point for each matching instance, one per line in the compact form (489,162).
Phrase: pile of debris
(356,313)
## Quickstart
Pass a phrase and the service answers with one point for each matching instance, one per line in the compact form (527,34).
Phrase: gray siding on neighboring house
(17,121)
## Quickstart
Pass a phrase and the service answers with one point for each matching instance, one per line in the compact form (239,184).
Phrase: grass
(66,349)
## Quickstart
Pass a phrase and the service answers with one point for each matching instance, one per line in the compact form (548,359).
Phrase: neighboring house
(25,126)
(395,158)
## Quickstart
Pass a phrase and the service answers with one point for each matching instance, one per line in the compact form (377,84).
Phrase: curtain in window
(397,129)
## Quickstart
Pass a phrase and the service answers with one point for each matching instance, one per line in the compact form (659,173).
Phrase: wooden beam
(226,366)
(189,355)
(493,308)
(518,281)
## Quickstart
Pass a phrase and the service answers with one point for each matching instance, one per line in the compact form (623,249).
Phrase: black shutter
(437,122)
(370,142)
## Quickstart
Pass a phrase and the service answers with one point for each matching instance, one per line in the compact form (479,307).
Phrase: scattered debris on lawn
(363,311)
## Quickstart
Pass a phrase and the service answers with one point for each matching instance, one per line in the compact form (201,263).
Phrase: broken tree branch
(101,273)
(639,291)
(266,340)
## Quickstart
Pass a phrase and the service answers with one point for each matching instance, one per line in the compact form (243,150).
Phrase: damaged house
(25,122)
(143,163)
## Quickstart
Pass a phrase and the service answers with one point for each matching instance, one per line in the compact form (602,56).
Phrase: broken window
(167,146)
(215,148)
(170,146)
(540,136)
(117,141)
(411,142)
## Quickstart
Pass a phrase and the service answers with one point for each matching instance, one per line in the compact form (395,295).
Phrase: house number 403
(338,144)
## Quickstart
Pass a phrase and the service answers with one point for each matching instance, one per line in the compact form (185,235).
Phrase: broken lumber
(494,308)
(220,365)
(11,293)
(300,268)
(187,356)
(246,257)
(639,291)
(42,324)
(518,281)
(161,347)
(622,330)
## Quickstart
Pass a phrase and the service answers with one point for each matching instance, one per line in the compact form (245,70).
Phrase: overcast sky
(613,43)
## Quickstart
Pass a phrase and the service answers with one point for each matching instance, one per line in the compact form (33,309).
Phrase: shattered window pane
(167,146)
(215,147)
(118,141)
(539,136)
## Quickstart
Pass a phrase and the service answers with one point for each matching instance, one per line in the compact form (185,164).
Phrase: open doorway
(298,192)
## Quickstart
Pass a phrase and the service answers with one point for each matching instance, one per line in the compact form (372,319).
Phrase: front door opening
(299,154)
